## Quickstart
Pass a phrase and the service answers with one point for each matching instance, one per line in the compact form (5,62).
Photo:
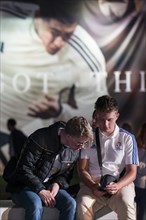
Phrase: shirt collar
(113,135)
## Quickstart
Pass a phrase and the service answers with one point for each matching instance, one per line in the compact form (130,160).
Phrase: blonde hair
(79,127)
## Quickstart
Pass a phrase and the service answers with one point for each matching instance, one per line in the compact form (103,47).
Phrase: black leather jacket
(37,158)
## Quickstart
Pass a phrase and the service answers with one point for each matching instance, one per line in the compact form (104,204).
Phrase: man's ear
(118,114)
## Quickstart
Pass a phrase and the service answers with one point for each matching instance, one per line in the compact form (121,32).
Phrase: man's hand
(47,197)
(112,188)
(96,190)
(54,188)
(46,108)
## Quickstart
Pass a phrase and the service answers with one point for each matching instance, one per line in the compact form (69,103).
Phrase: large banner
(119,28)
(105,55)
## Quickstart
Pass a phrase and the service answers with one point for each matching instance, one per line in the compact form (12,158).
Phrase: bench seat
(9,211)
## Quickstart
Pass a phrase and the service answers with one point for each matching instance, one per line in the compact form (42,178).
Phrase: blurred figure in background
(16,140)
(140,182)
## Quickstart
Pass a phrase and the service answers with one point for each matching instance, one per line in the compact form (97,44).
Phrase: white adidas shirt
(118,150)
(28,71)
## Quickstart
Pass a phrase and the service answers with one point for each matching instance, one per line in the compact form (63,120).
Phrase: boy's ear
(118,114)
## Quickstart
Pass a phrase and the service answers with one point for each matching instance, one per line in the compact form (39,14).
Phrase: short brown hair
(64,11)
(106,104)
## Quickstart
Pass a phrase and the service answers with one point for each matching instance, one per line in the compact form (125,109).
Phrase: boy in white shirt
(118,151)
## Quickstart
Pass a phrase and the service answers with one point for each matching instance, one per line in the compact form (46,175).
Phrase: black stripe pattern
(1,47)
(86,54)
(15,10)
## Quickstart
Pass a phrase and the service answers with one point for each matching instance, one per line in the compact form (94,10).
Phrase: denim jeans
(33,206)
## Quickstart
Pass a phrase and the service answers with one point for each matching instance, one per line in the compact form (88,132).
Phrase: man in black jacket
(45,166)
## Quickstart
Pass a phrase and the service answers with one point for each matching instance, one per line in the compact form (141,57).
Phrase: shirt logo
(118,146)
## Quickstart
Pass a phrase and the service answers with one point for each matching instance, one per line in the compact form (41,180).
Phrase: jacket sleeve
(64,179)
(27,166)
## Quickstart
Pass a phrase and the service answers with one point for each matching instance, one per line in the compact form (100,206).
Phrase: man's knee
(72,203)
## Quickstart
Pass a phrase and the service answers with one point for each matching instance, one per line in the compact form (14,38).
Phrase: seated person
(118,151)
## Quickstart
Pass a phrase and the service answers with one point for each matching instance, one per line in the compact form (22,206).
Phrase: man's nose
(59,42)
